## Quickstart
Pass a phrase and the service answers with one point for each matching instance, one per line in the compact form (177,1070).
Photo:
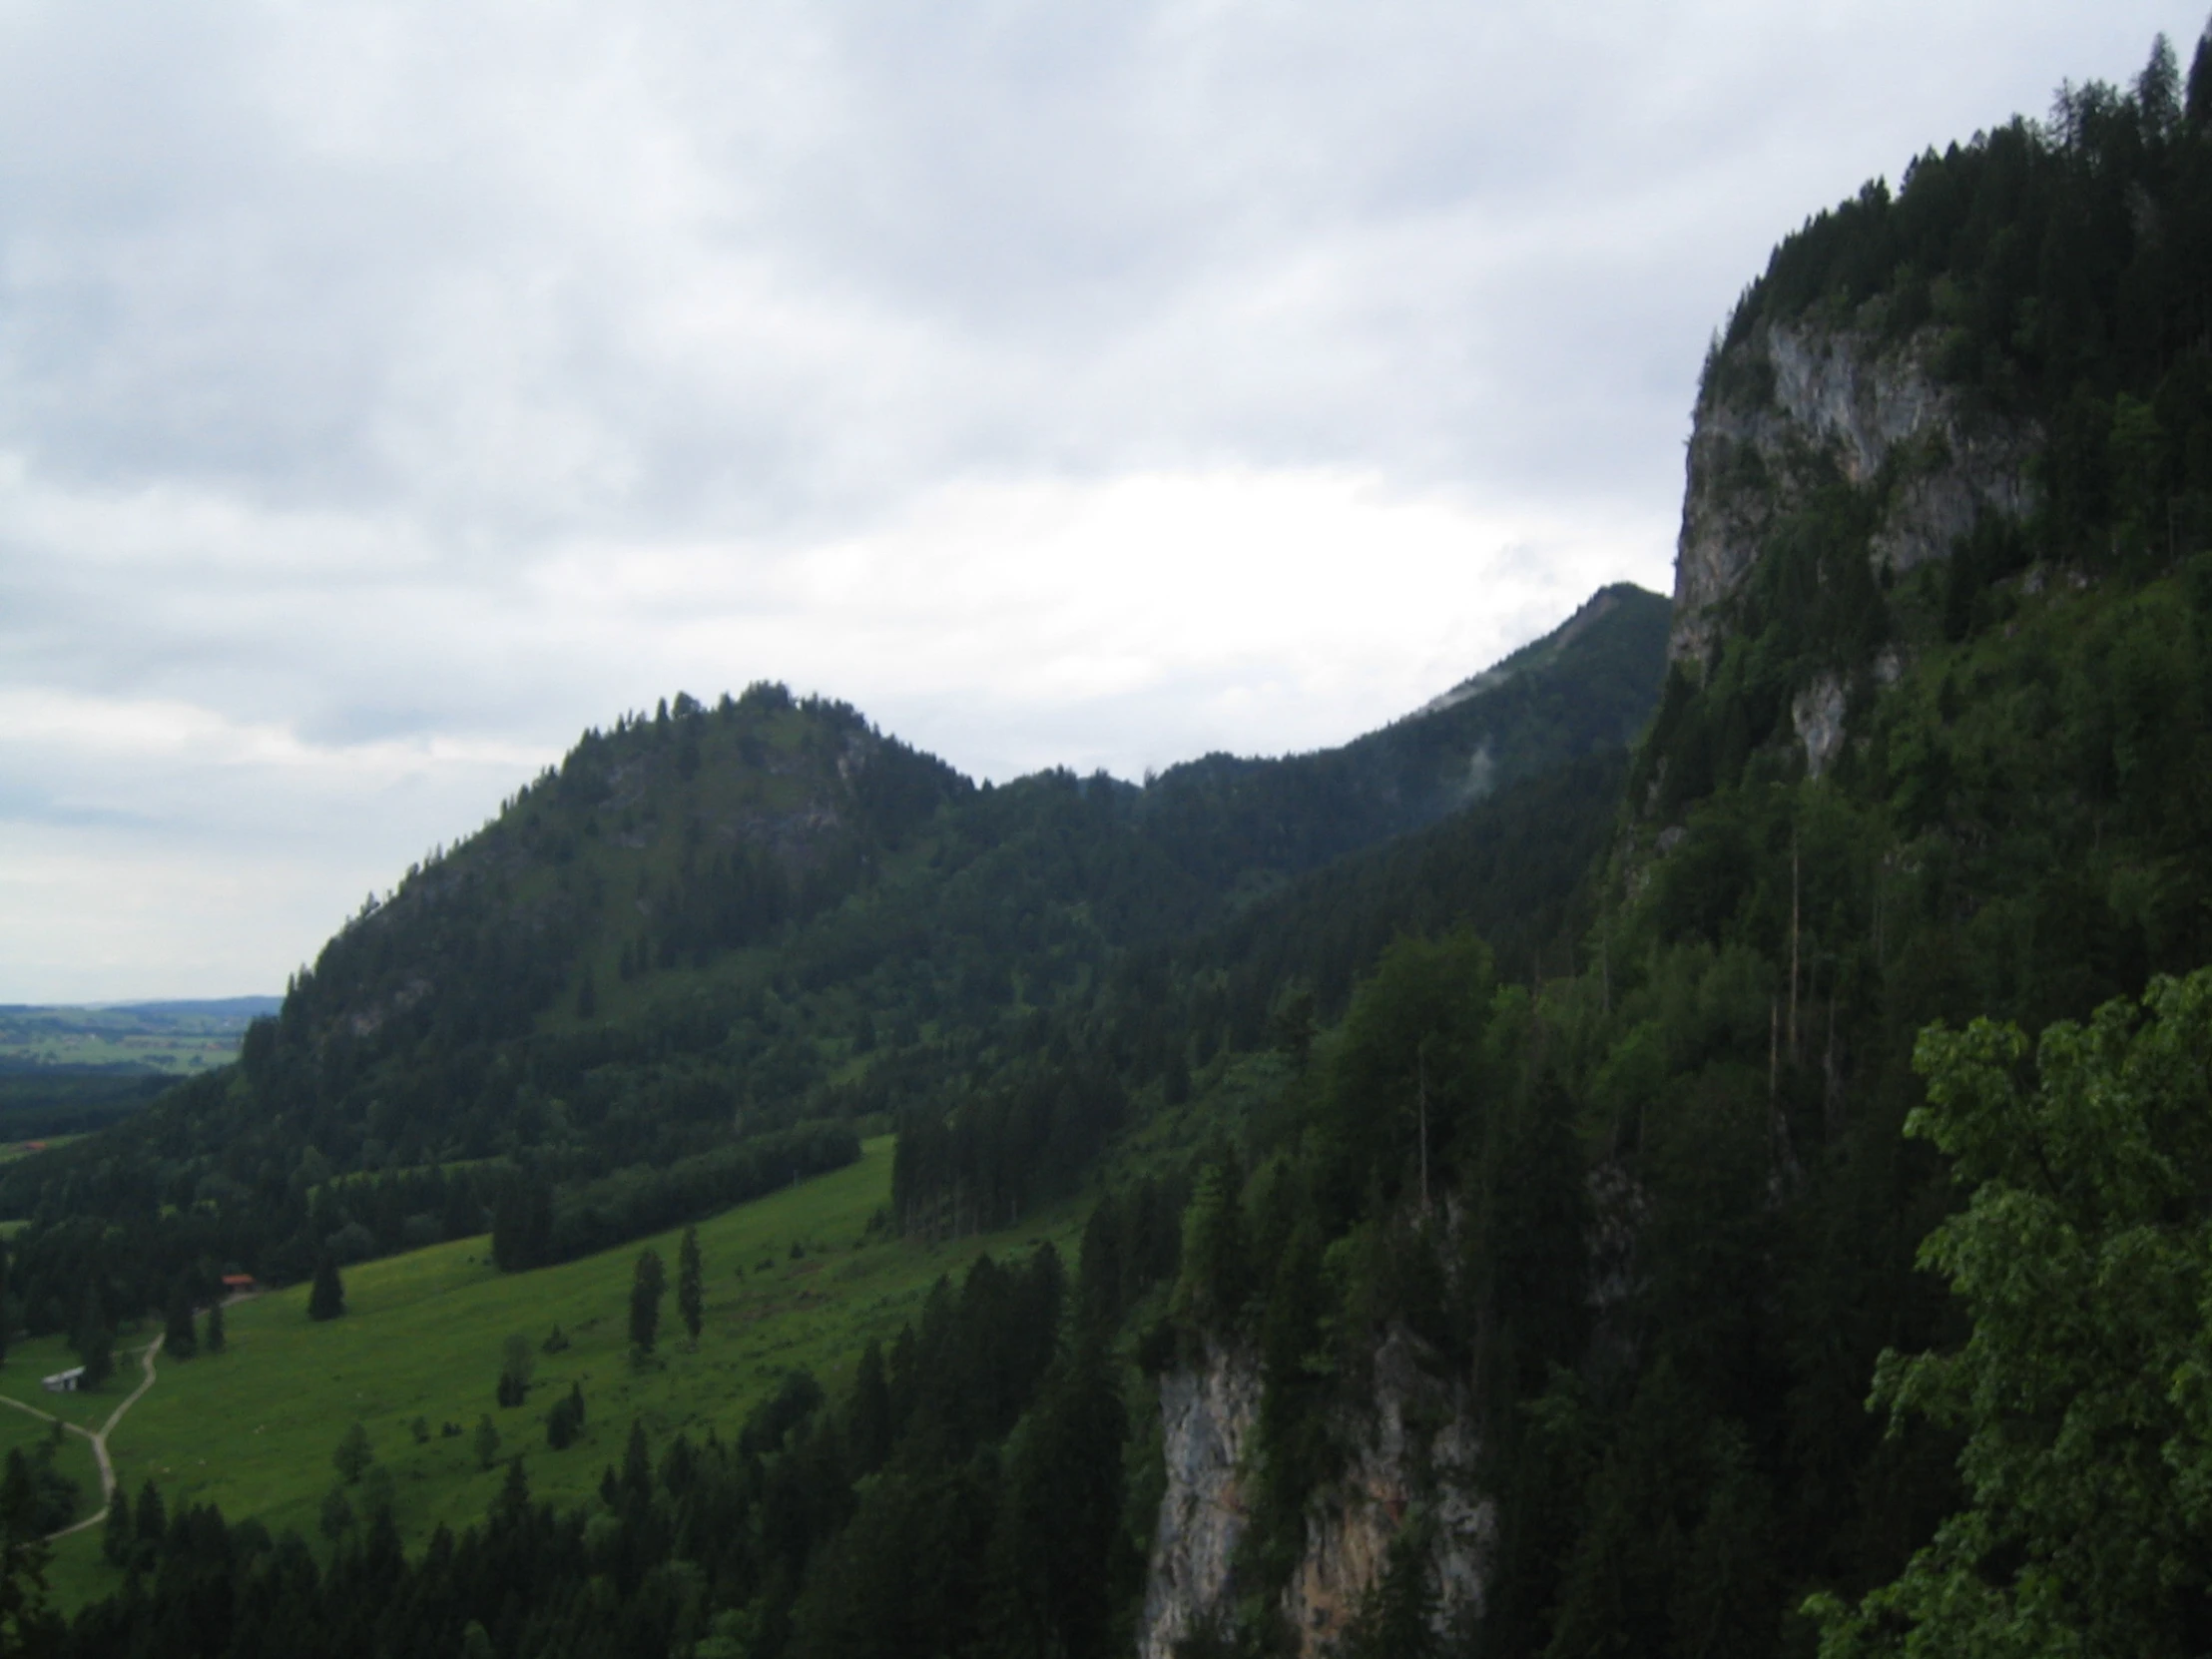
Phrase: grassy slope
(253,1429)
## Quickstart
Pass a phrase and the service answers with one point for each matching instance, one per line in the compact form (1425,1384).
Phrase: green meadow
(253,1429)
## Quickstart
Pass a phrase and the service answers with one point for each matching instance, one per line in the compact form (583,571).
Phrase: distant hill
(716,924)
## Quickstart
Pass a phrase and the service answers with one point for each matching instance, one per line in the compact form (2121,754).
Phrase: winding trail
(98,1438)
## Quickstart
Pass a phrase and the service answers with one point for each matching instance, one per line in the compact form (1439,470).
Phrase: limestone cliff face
(1793,406)
(1413,1447)
(1207,1417)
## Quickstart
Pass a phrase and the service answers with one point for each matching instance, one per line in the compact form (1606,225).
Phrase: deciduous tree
(2084,1390)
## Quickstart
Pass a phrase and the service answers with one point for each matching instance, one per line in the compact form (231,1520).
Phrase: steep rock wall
(1794,405)
(1413,1447)
(1206,1417)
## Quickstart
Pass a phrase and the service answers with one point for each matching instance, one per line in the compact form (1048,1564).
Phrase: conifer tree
(488,1442)
(636,1462)
(647,1286)
(689,1287)
(95,1343)
(870,1435)
(1396,1616)
(215,1338)
(115,1538)
(566,1420)
(353,1455)
(512,1506)
(515,1370)
(25,1624)
(152,1517)
(327,1300)
(179,1340)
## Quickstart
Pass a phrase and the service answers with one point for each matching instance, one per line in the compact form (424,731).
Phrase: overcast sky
(388,391)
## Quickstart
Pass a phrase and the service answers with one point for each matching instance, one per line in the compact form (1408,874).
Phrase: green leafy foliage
(2081,1264)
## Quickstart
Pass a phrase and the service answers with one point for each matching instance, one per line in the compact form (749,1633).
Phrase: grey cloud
(353,362)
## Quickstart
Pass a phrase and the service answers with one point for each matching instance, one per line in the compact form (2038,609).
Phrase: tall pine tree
(690,1288)
(95,1343)
(327,1300)
(647,1286)
(179,1340)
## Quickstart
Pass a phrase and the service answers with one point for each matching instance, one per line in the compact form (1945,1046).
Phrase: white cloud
(387,393)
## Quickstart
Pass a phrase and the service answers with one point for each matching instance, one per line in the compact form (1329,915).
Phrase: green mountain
(716,943)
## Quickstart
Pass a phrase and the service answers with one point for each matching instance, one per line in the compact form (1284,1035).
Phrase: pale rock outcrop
(1816,713)
(1794,399)
(1413,1446)
(1207,1418)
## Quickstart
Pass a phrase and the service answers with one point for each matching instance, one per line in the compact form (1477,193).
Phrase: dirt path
(98,1438)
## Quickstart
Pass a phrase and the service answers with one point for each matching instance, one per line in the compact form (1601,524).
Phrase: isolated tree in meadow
(214,1339)
(566,1420)
(353,1455)
(515,1369)
(647,1286)
(94,1341)
(689,1287)
(180,1339)
(487,1443)
(327,1300)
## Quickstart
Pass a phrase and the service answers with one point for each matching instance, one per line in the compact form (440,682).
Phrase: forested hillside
(718,942)
(1933,747)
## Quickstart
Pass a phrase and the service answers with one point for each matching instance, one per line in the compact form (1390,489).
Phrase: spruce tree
(487,1443)
(647,1286)
(512,1506)
(327,1300)
(515,1370)
(95,1343)
(353,1455)
(566,1420)
(870,1433)
(152,1519)
(116,1542)
(690,1288)
(637,1464)
(214,1340)
(25,1624)
(180,1340)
